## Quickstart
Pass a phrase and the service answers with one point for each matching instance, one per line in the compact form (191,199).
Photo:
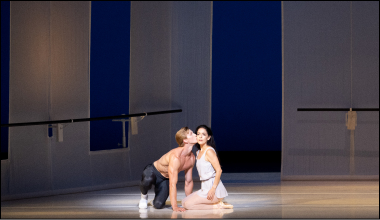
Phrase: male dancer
(163,173)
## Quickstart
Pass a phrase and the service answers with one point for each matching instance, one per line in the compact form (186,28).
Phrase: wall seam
(283,90)
(89,92)
(9,105)
(211,26)
(49,104)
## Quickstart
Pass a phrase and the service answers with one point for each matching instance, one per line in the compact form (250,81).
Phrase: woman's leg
(195,202)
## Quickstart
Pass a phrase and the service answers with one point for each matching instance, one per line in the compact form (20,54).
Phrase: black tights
(151,176)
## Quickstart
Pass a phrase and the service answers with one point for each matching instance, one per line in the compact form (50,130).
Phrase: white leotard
(207,175)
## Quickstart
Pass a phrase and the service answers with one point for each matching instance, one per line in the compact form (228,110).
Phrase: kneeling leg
(162,194)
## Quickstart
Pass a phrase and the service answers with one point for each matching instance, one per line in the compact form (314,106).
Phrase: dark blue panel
(5,32)
(246,75)
(109,71)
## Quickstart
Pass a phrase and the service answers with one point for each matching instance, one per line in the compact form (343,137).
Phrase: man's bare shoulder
(174,154)
(162,164)
(176,151)
(165,159)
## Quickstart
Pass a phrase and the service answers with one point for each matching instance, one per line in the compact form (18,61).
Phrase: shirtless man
(163,173)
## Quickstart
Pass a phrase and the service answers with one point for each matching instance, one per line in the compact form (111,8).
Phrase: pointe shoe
(223,205)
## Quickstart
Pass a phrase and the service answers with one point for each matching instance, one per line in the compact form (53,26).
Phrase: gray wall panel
(317,74)
(170,69)
(191,63)
(150,81)
(71,165)
(365,54)
(111,166)
(4,177)
(317,53)
(29,159)
(70,25)
(29,88)
(365,91)
(367,144)
(191,66)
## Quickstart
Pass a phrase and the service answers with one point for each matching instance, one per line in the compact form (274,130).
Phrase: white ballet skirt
(207,175)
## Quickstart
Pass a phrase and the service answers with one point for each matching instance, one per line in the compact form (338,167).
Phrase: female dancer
(211,194)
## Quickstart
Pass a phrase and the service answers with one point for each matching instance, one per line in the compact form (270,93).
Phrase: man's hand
(178,209)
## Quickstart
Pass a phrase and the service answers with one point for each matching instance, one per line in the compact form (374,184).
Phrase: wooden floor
(254,195)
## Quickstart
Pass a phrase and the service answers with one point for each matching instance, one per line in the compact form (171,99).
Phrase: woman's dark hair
(210,142)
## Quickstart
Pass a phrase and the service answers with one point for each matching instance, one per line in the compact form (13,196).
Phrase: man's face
(191,137)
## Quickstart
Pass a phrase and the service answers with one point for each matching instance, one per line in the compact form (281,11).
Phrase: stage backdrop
(170,68)
(330,60)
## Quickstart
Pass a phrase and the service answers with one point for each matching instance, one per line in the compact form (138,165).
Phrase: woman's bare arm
(213,159)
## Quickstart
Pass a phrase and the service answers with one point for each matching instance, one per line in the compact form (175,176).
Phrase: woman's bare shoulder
(210,154)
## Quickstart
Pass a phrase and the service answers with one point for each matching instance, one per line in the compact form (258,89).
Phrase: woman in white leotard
(212,193)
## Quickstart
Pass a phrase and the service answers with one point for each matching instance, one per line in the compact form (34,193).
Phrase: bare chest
(186,164)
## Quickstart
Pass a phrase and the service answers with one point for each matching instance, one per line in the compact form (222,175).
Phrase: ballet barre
(89,119)
(337,109)
(351,116)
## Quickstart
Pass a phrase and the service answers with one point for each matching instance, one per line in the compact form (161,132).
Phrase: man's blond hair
(181,135)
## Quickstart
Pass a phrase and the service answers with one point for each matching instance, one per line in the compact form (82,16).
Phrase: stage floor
(254,195)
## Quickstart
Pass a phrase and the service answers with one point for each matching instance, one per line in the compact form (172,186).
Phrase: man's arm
(173,179)
(189,181)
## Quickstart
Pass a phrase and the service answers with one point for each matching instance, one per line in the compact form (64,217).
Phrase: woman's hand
(178,209)
(211,194)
